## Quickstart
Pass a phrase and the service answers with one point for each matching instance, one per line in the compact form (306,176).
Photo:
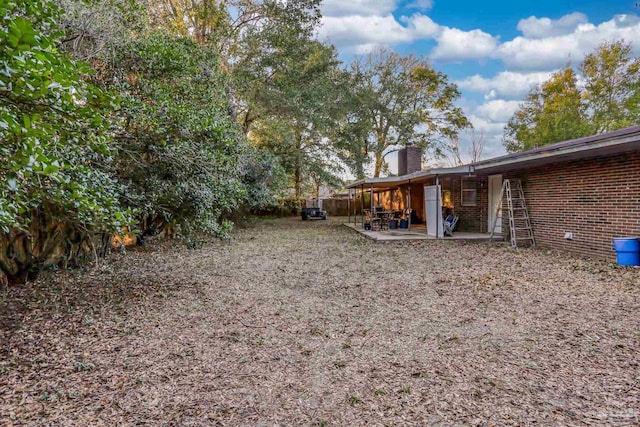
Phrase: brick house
(587,189)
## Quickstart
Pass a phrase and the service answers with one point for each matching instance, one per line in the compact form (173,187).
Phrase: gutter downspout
(438,207)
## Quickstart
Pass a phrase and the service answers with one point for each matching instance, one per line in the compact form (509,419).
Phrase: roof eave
(610,146)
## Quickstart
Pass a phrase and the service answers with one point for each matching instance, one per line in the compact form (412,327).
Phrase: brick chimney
(409,160)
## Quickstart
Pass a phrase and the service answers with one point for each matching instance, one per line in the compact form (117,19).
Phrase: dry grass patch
(307,323)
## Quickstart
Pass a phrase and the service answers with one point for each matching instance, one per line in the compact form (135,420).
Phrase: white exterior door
(495,187)
(433,210)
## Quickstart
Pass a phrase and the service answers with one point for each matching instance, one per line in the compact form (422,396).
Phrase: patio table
(386,216)
(390,214)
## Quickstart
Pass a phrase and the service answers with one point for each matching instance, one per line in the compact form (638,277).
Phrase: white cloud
(337,8)
(492,132)
(491,95)
(421,26)
(457,45)
(420,4)
(538,28)
(354,31)
(363,49)
(362,33)
(488,119)
(506,84)
(556,51)
(497,110)
(486,125)
(546,44)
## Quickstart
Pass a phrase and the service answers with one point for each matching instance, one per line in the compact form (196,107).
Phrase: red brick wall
(472,218)
(596,199)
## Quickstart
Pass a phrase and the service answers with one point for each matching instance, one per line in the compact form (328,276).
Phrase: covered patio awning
(376,186)
(412,178)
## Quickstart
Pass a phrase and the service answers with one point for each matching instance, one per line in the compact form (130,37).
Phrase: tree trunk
(297,178)
(378,164)
(49,241)
(381,143)
(297,173)
(247,120)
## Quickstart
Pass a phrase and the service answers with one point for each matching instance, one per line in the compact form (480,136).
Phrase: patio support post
(349,206)
(355,206)
(371,199)
(362,205)
(409,203)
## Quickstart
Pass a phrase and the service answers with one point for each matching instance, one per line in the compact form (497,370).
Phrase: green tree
(178,88)
(274,46)
(228,24)
(95,30)
(558,110)
(351,131)
(58,199)
(551,112)
(181,149)
(264,178)
(612,90)
(243,32)
(300,103)
(203,20)
(402,100)
(264,46)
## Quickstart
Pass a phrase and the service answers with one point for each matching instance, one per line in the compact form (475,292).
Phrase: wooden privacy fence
(336,207)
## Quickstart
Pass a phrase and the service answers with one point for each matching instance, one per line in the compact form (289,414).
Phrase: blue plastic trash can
(404,223)
(627,251)
(393,224)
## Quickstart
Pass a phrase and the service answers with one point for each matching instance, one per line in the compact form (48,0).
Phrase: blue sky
(494,51)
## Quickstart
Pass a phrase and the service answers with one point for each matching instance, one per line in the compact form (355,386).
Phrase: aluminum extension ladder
(519,221)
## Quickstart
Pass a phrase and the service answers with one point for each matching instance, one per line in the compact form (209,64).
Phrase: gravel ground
(308,323)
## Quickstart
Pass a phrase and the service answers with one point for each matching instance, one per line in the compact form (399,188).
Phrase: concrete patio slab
(418,233)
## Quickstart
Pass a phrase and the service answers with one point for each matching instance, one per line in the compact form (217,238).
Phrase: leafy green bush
(56,190)
(263,177)
(151,137)
(180,146)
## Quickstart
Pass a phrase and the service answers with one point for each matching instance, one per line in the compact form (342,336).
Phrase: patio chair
(450,223)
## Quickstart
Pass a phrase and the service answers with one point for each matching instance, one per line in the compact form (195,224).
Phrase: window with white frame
(469,194)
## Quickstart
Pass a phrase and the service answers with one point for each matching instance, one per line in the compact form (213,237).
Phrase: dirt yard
(306,323)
